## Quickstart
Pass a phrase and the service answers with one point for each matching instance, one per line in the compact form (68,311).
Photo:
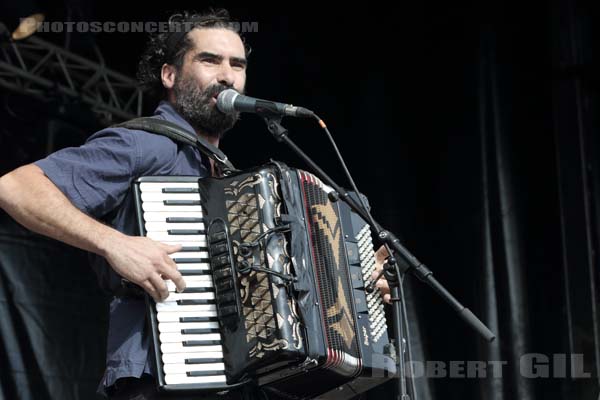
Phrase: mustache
(214,90)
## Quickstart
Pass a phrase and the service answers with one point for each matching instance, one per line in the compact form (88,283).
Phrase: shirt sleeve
(97,175)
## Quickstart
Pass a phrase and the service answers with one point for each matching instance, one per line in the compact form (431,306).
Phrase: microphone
(229,101)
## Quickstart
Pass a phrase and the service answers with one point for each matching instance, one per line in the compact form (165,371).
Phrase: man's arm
(35,202)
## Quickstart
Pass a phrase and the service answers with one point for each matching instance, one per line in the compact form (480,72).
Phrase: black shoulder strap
(180,135)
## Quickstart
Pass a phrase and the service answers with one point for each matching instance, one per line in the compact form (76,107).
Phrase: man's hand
(146,263)
(380,256)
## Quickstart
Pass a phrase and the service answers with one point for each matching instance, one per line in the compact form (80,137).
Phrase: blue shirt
(97,178)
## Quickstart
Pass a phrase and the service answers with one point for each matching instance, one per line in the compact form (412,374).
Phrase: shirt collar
(166,110)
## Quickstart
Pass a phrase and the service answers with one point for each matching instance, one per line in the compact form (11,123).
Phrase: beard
(197,108)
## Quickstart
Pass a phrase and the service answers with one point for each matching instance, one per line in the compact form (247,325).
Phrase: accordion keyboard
(189,337)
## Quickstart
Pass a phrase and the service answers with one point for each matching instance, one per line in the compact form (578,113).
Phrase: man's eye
(211,60)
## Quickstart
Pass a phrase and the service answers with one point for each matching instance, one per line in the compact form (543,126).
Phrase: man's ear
(167,74)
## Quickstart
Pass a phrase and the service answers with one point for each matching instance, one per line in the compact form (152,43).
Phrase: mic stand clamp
(274,126)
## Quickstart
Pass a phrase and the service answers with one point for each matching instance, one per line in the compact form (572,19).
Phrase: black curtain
(53,318)
(479,148)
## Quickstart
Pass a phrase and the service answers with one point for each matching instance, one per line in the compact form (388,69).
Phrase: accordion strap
(180,135)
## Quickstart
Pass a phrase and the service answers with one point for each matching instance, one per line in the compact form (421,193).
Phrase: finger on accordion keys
(192,283)
(186,254)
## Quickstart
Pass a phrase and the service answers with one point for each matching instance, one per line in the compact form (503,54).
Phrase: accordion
(275,271)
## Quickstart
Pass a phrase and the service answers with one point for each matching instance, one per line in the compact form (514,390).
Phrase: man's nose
(226,76)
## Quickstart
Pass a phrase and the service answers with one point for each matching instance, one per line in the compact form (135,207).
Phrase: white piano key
(189,296)
(206,310)
(183,266)
(178,337)
(158,186)
(178,326)
(176,379)
(169,348)
(187,243)
(196,279)
(161,216)
(189,254)
(173,306)
(179,358)
(160,206)
(171,239)
(159,196)
(165,226)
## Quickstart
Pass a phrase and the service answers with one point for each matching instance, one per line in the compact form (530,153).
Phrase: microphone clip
(274,126)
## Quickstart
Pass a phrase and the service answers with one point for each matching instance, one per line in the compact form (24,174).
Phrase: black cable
(245,250)
(349,176)
(247,268)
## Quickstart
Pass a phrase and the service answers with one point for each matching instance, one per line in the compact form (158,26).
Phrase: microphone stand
(391,269)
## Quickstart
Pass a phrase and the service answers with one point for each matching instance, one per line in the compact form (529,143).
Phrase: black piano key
(180,190)
(193,248)
(191,343)
(198,319)
(189,272)
(199,290)
(204,373)
(186,231)
(181,202)
(203,360)
(195,302)
(191,260)
(177,220)
(199,331)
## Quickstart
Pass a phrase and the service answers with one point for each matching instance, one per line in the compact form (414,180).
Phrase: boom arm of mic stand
(414,265)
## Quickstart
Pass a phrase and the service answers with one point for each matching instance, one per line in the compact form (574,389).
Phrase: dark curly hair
(170,47)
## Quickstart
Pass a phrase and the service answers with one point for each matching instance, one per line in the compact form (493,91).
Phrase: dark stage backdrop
(474,133)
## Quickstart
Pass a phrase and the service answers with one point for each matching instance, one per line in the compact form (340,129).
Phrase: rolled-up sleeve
(97,175)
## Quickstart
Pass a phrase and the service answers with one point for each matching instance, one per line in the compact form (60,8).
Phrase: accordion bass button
(352,252)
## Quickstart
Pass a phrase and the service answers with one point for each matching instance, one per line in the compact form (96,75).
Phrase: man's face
(217,62)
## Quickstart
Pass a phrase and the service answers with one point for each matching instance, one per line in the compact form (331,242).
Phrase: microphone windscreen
(226,101)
